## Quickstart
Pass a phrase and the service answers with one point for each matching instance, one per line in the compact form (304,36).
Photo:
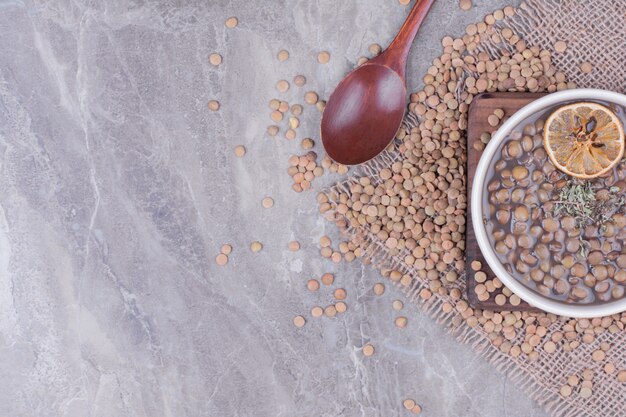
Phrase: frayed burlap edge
(595,32)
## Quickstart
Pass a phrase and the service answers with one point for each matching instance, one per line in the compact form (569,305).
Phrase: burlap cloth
(595,31)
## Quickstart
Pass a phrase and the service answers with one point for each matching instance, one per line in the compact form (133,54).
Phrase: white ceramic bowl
(525,293)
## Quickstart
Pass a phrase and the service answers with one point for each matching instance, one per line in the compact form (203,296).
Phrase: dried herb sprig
(578,199)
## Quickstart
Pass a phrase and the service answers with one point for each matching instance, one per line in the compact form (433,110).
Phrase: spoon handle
(397,53)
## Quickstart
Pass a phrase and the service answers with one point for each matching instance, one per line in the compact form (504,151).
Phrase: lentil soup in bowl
(549,207)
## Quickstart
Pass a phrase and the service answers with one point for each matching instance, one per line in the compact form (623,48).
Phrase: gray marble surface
(118,186)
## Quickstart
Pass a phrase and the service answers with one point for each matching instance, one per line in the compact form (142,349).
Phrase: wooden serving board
(482,106)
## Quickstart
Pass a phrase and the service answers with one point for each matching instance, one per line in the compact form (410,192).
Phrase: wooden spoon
(364,112)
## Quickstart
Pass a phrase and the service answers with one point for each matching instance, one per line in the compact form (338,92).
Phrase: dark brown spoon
(365,111)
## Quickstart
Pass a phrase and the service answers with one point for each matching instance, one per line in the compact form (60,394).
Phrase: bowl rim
(525,293)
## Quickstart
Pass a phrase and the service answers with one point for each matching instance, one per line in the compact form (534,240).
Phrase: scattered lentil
(221,259)
(341,307)
(307,143)
(328,279)
(296,109)
(401,322)
(313,285)
(290,134)
(299,80)
(515,300)
(299,321)
(493,120)
(330,311)
(274,104)
(272,130)
(276,116)
(375,49)
(256,246)
(294,122)
(425,294)
(586,67)
(317,311)
(560,46)
(465,4)
(397,305)
(311,97)
(213,105)
(408,404)
(231,22)
(549,346)
(500,299)
(340,294)
(282,86)
(294,246)
(282,55)
(215,59)
(267,202)
(587,374)
(368,350)
(323,57)
(226,249)
(240,151)
(573,380)
(379,289)
(585,392)
(609,368)
(598,355)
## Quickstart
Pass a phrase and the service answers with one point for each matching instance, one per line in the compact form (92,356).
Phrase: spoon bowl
(366,106)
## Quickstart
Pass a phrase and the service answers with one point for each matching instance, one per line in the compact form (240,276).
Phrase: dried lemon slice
(584,140)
